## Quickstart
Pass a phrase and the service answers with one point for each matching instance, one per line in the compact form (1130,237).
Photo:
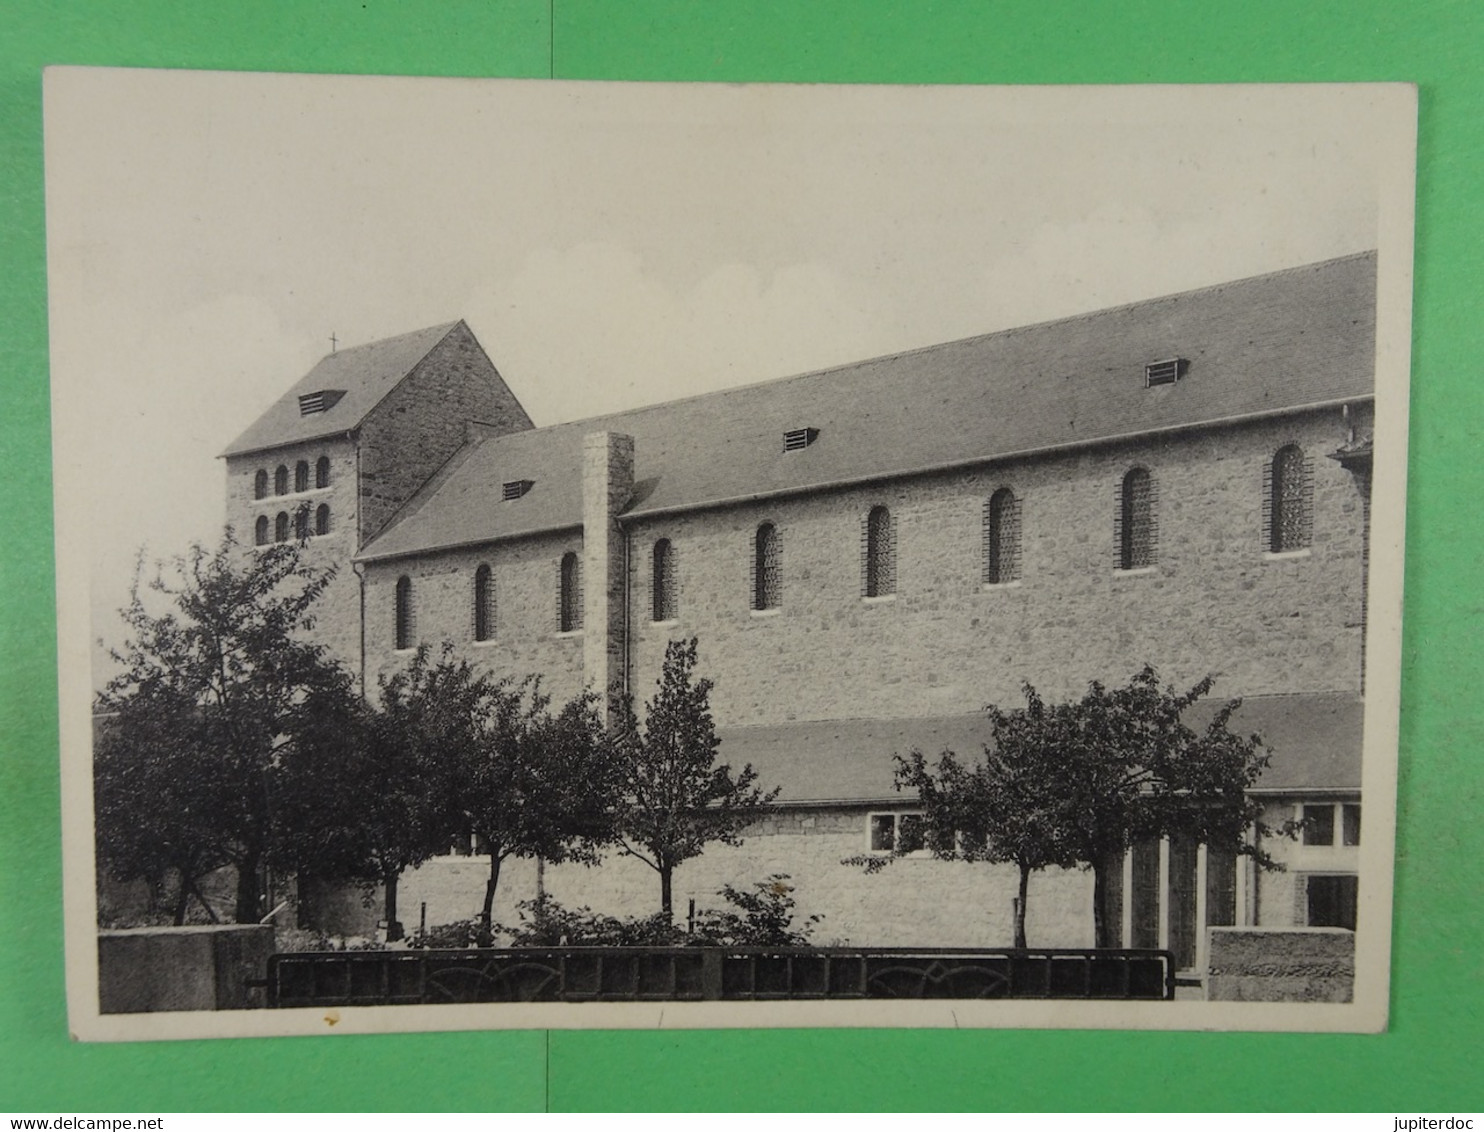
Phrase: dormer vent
(797,439)
(1166,372)
(514,489)
(319,402)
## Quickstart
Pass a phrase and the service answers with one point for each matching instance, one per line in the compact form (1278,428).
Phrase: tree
(1078,783)
(209,703)
(527,783)
(676,798)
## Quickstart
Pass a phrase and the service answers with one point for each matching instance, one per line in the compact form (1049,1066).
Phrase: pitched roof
(364,374)
(1315,741)
(1294,338)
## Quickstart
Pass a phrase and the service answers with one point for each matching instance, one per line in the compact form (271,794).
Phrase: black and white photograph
(557,554)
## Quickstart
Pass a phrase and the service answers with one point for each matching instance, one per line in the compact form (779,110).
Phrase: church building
(870,554)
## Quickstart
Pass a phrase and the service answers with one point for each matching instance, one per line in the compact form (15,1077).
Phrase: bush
(455,936)
(545,923)
(764,918)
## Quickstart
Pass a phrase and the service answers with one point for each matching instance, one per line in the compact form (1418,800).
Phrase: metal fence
(695,974)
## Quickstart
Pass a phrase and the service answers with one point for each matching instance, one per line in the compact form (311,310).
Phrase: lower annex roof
(1315,741)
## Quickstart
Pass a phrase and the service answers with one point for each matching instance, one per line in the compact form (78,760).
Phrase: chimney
(607,484)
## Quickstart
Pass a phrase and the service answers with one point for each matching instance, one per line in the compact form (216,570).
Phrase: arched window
(260,533)
(767,581)
(569,597)
(301,523)
(281,527)
(484,604)
(1137,527)
(301,476)
(404,622)
(322,472)
(281,481)
(879,551)
(1286,501)
(1001,538)
(664,581)
(260,485)
(322,519)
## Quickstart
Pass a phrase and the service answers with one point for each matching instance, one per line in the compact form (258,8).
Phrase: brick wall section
(1294,965)
(1214,602)
(421,423)
(607,483)
(338,614)
(525,641)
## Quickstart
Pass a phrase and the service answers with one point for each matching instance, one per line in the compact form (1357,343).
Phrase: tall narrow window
(322,519)
(281,481)
(404,622)
(484,604)
(260,534)
(569,602)
(880,574)
(1286,501)
(281,527)
(322,472)
(301,476)
(1001,538)
(1136,523)
(767,588)
(664,581)
(301,523)
(260,485)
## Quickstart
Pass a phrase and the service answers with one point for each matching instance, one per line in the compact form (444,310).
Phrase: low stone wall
(1281,965)
(145,970)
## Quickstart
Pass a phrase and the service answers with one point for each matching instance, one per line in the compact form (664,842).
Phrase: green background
(1428,1060)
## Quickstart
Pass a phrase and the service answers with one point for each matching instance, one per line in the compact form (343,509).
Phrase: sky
(611,245)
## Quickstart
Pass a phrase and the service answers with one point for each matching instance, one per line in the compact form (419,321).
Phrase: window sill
(774,612)
(988,586)
(879,599)
(567,634)
(408,651)
(1138,572)
(1286,555)
(484,644)
(670,623)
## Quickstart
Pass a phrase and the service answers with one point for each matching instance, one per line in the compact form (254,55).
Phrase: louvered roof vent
(1166,372)
(319,401)
(514,489)
(797,439)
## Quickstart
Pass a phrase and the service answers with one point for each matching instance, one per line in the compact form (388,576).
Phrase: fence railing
(696,974)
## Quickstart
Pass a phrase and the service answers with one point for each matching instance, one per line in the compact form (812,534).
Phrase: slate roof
(1276,342)
(1315,741)
(365,374)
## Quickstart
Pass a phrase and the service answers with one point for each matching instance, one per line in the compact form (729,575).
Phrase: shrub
(764,917)
(457,935)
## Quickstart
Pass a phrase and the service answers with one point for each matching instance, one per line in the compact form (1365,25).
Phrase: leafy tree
(528,783)
(1078,783)
(215,676)
(676,798)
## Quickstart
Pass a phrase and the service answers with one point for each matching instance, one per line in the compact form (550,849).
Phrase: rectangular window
(1319,825)
(1350,832)
(902,834)
(883,833)
(1332,901)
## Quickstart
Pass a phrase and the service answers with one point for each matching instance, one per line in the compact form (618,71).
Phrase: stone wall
(914,901)
(526,639)
(146,970)
(337,614)
(1215,601)
(1281,965)
(422,422)
(944,642)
